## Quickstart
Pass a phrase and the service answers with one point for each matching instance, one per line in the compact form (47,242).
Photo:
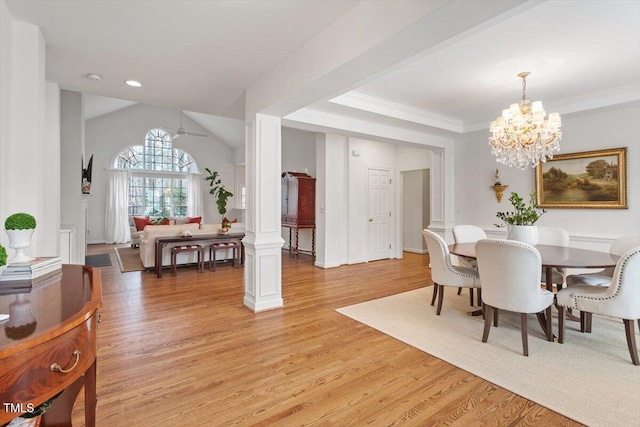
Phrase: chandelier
(522,136)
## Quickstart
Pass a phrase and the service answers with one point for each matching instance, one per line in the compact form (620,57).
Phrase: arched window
(158,184)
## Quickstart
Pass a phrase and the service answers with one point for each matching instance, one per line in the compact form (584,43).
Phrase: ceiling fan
(181,132)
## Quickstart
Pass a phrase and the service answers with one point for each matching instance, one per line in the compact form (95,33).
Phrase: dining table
(551,256)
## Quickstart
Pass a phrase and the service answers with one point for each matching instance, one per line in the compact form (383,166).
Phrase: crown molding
(392,109)
(575,104)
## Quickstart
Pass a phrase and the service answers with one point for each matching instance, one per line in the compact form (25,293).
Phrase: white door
(379,198)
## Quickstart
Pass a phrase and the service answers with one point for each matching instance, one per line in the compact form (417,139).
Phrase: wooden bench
(230,244)
(187,248)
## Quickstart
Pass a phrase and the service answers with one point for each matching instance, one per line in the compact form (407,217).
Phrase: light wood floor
(184,351)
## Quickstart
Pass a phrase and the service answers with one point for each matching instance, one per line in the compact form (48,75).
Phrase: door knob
(370,219)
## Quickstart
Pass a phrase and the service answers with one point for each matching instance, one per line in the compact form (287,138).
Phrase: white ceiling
(574,51)
(200,56)
(193,55)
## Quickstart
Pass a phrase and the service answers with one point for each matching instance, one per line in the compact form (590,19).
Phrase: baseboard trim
(415,251)
(329,265)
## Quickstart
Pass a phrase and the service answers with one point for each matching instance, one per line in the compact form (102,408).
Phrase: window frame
(139,171)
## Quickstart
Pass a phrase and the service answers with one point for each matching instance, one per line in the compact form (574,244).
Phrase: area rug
(589,378)
(129,259)
(98,260)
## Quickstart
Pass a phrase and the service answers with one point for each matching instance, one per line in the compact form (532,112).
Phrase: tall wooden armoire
(299,205)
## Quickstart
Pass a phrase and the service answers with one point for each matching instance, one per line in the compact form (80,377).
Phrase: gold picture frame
(589,180)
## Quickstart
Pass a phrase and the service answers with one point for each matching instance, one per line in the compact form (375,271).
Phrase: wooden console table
(162,242)
(49,345)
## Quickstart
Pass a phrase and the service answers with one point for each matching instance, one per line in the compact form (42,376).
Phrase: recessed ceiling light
(133,83)
(94,76)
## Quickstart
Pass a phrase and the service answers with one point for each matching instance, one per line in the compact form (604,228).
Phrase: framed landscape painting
(590,179)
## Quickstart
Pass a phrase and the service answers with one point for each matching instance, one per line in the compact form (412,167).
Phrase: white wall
(415,209)
(414,204)
(51,197)
(611,127)
(298,155)
(72,137)
(107,135)
(372,154)
(298,151)
(6,49)
(24,138)
(331,200)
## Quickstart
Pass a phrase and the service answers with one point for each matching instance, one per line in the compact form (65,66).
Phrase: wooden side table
(52,348)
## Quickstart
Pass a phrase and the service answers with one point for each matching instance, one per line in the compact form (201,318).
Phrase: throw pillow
(194,220)
(141,222)
(160,221)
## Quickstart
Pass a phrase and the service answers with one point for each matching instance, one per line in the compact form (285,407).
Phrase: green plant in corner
(3,256)
(20,221)
(523,214)
(218,191)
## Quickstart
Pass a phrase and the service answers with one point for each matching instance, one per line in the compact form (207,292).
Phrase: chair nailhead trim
(622,267)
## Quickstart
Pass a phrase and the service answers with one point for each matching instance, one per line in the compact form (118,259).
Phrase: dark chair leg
(488,311)
(583,321)
(495,317)
(631,340)
(525,334)
(479,296)
(560,324)
(435,293)
(459,291)
(589,318)
(548,319)
(470,296)
(440,296)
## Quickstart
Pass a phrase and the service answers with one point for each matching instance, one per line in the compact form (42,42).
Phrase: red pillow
(194,220)
(141,222)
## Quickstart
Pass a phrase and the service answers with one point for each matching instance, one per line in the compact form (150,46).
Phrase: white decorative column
(263,243)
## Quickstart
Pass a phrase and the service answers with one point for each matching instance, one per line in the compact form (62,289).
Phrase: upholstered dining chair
(603,277)
(443,272)
(510,272)
(621,299)
(554,236)
(467,233)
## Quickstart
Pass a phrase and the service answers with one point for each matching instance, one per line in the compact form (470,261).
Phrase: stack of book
(38,268)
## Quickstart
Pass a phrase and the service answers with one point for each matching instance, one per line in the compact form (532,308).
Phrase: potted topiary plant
(19,228)
(218,191)
(520,222)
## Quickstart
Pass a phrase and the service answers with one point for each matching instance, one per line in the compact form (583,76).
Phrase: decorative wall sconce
(498,187)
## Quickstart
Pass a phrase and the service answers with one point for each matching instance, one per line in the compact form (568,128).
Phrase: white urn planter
(20,240)
(523,233)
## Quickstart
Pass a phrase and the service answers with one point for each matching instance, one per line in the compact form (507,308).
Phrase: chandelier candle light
(522,136)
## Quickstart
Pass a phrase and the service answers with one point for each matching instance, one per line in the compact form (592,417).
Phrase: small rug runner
(99,260)
(129,259)
(589,378)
